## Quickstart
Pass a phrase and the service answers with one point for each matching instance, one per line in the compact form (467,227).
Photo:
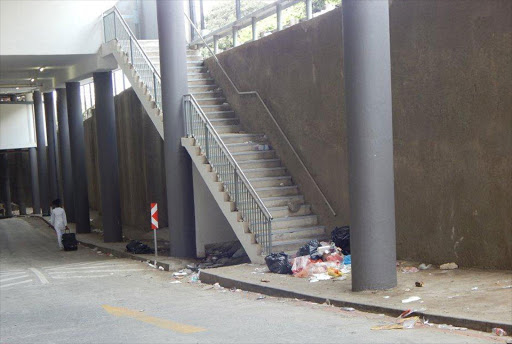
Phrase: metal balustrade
(116,28)
(241,192)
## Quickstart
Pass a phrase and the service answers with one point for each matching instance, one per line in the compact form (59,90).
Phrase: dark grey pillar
(367,71)
(36,201)
(107,157)
(238,9)
(201,15)
(5,185)
(42,164)
(20,183)
(65,154)
(178,168)
(13,98)
(51,137)
(192,9)
(77,143)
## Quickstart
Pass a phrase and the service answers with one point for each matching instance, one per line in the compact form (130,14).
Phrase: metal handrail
(268,112)
(132,36)
(232,160)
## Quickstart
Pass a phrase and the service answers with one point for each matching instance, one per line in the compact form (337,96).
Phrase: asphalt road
(51,296)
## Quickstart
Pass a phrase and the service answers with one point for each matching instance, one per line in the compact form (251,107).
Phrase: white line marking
(91,271)
(77,264)
(67,277)
(39,275)
(92,267)
(11,272)
(13,278)
(11,284)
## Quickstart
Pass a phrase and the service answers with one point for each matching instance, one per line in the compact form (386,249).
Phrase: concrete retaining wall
(451,67)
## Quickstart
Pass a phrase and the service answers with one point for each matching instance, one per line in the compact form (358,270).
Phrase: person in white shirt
(58,220)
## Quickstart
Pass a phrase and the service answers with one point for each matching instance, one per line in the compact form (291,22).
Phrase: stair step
(208,94)
(276,191)
(195,64)
(277,212)
(297,233)
(271,181)
(201,88)
(196,69)
(265,172)
(272,202)
(152,53)
(239,138)
(216,107)
(261,163)
(220,114)
(254,155)
(221,129)
(208,81)
(294,221)
(247,146)
(194,75)
(211,101)
(194,57)
(193,52)
(224,121)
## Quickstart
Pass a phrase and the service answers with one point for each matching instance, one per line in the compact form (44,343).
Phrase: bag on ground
(69,241)
(278,263)
(341,238)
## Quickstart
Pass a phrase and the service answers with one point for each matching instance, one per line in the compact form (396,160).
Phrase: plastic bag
(299,264)
(341,238)
(278,263)
(310,249)
(138,248)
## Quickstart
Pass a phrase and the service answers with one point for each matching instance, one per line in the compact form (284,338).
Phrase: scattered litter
(194,278)
(341,278)
(385,297)
(99,252)
(217,286)
(407,289)
(152,265)
(348,309)
(507,287)
(411,299)
(179,274)
(499,332)
(419,284)
(261,270)
(406,313)
(409,323)
(388,327)
(449,266)
(347,260)
(264,280)
(310,249)
(453,296)
(175,282)
(137,247)
(161,268)
(208,287)
(474,288)
(409,269)
(261,297)
(278,263)
(141,310)
(450,327)
(423,266)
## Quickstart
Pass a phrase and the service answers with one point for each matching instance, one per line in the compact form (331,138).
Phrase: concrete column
(36,201)
(238,9)
(108,157)
(5,185)
(178,168)
(254,28)
(309,9)
(367,71)
(20,182)
(201,15)
(65,154)
(192,12)
(42,163)
(279,11)
(77,144)
(51,137)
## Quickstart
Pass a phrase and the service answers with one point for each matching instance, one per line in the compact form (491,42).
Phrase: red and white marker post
(154,224)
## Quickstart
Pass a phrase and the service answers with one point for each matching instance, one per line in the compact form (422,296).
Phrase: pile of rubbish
(222,254)
(137,247)
(316,260)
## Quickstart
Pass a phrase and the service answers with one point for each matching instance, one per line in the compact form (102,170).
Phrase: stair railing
(116,28)
(242,193)
(255,93)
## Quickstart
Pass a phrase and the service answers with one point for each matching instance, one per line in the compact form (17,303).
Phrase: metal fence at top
(116,28)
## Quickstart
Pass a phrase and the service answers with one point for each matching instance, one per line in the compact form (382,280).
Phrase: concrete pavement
(86,297)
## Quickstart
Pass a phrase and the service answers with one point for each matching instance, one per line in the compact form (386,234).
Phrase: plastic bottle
(499,331)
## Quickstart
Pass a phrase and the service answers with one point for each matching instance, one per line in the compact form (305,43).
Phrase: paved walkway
(472,298)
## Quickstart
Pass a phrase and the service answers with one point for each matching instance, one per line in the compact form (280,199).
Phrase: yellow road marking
(162,323)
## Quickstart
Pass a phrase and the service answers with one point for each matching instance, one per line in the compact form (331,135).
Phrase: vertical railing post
(254,28)
(235,180)
(104,29)
(206,145)
(235,36)
(269,236)
(131,51)
(279,17)
(215,44)
(115,31)
(309,9)
(154,87)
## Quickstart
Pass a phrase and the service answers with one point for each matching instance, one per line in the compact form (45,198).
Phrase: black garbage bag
(278,263)
(310,249)
(341,238)
(137,247)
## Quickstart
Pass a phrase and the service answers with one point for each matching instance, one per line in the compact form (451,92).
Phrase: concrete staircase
(294,223)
